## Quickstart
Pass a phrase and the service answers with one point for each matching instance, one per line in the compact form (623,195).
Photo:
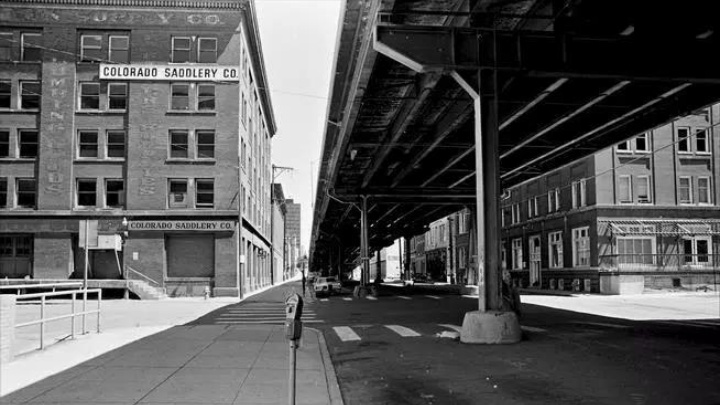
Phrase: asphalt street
(401,348)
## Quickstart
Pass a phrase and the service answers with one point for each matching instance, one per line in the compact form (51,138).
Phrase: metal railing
(53,286)
(129,271)
(660,262)
(43,320)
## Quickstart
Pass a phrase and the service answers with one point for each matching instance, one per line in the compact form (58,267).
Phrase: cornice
(170,4)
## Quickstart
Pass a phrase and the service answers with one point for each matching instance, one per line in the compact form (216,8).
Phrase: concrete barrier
(7,327)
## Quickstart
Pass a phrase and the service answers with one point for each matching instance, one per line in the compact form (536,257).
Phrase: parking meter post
(293,332)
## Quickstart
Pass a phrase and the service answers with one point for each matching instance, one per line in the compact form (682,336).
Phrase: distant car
(327,286)
(418,278)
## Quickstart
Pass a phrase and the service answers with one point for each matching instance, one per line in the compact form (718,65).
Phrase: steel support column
(364,254)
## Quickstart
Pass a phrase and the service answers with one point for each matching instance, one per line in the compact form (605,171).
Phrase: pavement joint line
(403,331)
(435,297)
(345,333)
(453,327)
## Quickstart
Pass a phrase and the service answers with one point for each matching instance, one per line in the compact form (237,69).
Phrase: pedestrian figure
(303,282)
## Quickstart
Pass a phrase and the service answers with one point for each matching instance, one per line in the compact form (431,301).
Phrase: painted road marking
(252,322)
(371,298)
(606,325)
(453,327)
(345,333)
(347,299)
(403,297)
(402,331)
(532,329)
(324,299)
(435,297)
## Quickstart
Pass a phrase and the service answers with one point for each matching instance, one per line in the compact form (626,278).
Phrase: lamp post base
(491,327)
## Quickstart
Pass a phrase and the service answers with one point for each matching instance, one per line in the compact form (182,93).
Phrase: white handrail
(142,275)
(44,285)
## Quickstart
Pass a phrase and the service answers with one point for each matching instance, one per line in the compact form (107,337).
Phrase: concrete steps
(145,291)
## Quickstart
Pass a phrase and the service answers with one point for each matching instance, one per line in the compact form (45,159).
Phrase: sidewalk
(151,356)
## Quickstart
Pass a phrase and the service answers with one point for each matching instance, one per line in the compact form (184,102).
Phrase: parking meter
(293,313)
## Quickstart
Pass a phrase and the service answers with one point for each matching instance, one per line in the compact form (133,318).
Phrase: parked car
(418,278)
(327,286)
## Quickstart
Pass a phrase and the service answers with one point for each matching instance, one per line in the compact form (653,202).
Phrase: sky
(298,41)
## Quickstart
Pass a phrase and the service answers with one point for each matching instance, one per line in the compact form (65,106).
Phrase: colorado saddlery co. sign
(192,226)
(200,73)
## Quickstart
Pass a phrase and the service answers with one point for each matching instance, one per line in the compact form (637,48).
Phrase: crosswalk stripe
(453,327)
(345,333)
(403,297)
(402,331)
(371,298)
(276,322)
(347,299)
(435,297)
(532,329)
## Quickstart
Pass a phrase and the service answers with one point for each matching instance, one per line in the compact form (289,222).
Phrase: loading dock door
(190,255)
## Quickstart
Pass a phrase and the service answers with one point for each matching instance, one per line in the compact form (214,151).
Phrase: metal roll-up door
(190,255)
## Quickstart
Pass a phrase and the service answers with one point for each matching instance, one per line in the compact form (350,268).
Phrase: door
(696,251)
(534,243)
(16,252)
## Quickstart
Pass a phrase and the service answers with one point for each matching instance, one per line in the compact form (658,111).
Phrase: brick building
(643,214)
(292,237)
(151,114)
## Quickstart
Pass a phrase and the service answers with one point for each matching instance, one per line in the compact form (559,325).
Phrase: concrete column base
(360,291)
(491,327)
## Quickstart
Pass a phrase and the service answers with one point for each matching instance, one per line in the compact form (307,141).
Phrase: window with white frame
(517,254)
(624,189)
(624,147)
(644,195)
(115,144)
(515,213)
(6,46)
(642,143)
(531,208)
(207,50)
(91,48)
(704,190)
(503,212)
(89,96)
(581,247)
(206,97)
(204,193)
(114,193)
(5,94)
(205,141)
(683,139)
(578,193)
(702,140)
(28,143)
(179,144)
(26,190)
(119,48)
(696,250)
(31,47)
(180,96)
(86,193)
(685,192)
(30,95)
(554,200)
(4,192)
(4,143)
(88,144)
(635,250)
(555,250)
(177,193)
(181,49)
(117,96)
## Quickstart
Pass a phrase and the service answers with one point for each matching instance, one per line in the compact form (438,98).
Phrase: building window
(532,208)
(30,93)
(89,96)
(553,200)
(205,140)
(28,143)
(119,48)
(635,250)
(91,48)
(685,190)
(555,250)
(4,143)
(702,141)
(181,47)
(581,247)
(88,144)
(179,144)
(117,96)
(642,143)
(704,191)
(463,223)
(517,254)
(5,93)
(86,192)
(30,50)
(578,193)
(515,213)
(3,192)
(623,146)
(115,144)
(624,189)
(683,141)
(26,192)
(643,184)
(178,193)
(696,250)
(114,193)
(204,193)
(206,97)
(207,50)
(6,46)
(180,97)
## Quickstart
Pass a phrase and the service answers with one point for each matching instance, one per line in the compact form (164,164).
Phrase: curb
(330,375)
